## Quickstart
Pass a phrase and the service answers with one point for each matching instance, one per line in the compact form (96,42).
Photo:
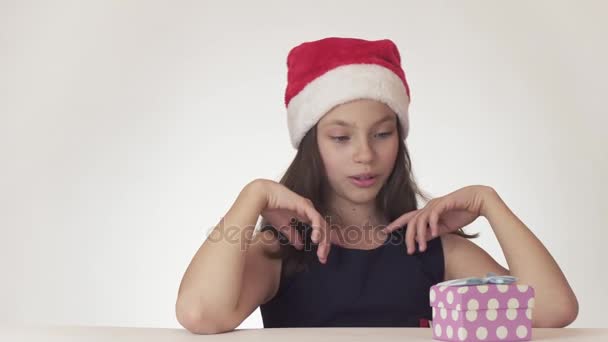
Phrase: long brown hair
(306,176)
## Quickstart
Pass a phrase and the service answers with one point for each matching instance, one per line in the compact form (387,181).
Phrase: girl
(343,241)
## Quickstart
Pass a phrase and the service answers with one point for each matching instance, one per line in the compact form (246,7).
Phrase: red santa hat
(325,73)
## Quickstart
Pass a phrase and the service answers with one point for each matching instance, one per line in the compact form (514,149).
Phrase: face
(355,138)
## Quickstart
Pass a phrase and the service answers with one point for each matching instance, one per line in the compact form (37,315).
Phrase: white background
(127,129)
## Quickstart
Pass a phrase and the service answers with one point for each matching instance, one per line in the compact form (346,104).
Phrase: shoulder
(457,244)
(451,242)
(463,258)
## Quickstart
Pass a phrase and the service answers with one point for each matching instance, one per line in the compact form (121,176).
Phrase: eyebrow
(346,124)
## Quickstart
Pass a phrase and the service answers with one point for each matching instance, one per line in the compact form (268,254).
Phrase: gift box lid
(494,292)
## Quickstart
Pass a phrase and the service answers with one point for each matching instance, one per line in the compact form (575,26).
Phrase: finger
(428,237)
(327,248)
(322,251)
(434,222)
(315,223)
(320,234)
(302,218)
(303,214)
(415,238)
(296,238)
(400,222)
(293,236)
(327,244)
(410,235)
(421,230)
(324,241)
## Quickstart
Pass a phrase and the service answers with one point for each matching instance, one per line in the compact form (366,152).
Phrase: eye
(340,138)
(385,134)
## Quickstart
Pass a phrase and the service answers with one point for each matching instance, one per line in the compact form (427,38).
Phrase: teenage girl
(343,241)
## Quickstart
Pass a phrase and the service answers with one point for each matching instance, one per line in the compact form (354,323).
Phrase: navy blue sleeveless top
(381,287)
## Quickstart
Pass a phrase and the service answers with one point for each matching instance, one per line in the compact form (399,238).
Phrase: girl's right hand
(284,205)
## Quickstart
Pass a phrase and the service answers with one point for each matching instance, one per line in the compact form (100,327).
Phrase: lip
(364,183)
(367,174)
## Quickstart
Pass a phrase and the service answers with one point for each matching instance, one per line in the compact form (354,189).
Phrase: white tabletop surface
(97,333)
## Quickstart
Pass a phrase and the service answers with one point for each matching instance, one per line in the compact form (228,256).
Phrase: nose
(364,152)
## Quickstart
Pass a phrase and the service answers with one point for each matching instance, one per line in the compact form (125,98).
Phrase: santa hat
(325,73)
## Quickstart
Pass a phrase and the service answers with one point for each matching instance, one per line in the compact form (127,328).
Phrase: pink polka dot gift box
(493,308)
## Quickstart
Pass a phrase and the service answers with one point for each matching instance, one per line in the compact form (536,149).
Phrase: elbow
(560,317)
(569,314)
(556,321)
(196,322)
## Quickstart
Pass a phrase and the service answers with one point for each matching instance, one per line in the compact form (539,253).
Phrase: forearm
(212,281)
(532,264)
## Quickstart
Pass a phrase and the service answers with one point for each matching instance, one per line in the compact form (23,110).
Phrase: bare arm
(531,262)
(528,260)
(209,293)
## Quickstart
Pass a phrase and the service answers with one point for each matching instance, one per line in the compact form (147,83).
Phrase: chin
(363,196)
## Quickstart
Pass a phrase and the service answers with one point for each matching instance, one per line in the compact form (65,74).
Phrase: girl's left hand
(443,215)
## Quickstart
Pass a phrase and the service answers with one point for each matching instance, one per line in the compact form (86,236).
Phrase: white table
(96,333)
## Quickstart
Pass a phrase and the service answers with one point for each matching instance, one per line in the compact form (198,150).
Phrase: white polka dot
(471,315)
(473,304)
(522,288)
(521,331)
(444,313)
(437,330)
(450,297)
(455,315)
(462,334)
(449,331)
(482,333)
(493,303)
(511,314)
(442,288)
(482,288)
(434,313)
(433,295)
(529,313)
(491,315)
(458,307)
(513,303)
(501,332)
(502,288)
(440,305)
(463,289)
(531,302)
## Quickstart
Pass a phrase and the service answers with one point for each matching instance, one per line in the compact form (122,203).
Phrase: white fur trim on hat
(344,84)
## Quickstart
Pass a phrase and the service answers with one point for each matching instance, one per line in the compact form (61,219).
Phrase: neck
(354,224)
(355,216)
